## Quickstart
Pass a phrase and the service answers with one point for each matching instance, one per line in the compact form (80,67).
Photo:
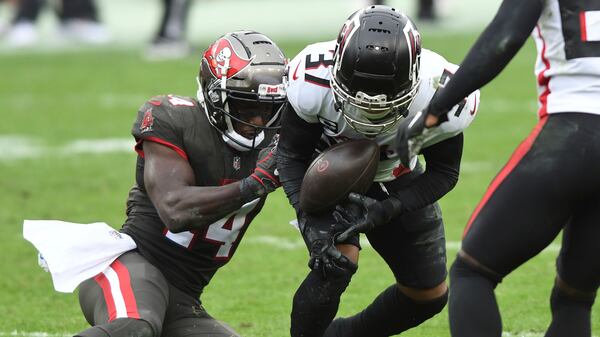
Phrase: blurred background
(72,76)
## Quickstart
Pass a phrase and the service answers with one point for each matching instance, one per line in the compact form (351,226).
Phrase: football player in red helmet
(205,166)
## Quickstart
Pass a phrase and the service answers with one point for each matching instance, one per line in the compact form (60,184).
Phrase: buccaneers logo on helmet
(223,61)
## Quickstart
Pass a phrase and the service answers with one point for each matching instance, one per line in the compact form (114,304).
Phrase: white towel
(75,252)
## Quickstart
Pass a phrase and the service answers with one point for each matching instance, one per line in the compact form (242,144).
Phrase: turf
(53,99)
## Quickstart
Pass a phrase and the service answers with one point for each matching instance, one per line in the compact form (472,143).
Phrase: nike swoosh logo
(295,75)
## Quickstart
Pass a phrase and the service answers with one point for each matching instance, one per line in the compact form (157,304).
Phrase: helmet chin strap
(241,143)
(230,136)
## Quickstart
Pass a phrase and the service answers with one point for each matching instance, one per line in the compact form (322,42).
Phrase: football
(343,168)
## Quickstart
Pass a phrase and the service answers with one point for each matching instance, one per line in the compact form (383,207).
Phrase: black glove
(265,178)
(410,137)
(319,234)
(363,214)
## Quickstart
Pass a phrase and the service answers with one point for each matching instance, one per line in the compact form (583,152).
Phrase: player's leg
(129,299)
(317,299)
(169,42)
(186,317)
(413,246)
(28,10)
(578,276)
(79,9)
(426,10)
(524,209)
(173,21)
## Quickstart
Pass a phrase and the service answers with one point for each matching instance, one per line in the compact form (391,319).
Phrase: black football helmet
(243,75)
(375,75)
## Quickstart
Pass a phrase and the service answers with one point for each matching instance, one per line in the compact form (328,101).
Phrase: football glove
(319,235)
(265,178)
(363,214)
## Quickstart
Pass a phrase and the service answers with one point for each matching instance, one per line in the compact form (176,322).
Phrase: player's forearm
(196,207)
(297,142)
(440,177)
(494,49)
(291,173)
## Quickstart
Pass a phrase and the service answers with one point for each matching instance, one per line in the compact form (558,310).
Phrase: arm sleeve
(297,142)
(496,46)
(440,176)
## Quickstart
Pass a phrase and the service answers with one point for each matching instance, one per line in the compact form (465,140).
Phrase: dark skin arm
(181,205)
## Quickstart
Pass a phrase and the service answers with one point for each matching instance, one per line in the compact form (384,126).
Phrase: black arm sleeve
(496,46)
(440,176)
(297,142)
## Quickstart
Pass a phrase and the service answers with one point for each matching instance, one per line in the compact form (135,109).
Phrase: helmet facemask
(243,117)
(375,75)
(372,115)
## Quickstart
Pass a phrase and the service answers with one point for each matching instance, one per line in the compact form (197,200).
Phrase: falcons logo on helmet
(223,61)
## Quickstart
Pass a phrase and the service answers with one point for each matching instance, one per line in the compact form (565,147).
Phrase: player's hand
(319,238)
(265,178)
(266,167)
(363,214)
(410,137)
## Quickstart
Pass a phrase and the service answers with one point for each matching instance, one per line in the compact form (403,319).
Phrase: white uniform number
(223,233)
(226,231)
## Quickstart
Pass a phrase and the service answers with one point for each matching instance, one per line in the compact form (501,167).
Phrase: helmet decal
(223,61)
(349,28)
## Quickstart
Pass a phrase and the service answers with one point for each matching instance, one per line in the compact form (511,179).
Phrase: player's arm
(182,206)
(496,46)
(440,176)
(297,143)
(169,180)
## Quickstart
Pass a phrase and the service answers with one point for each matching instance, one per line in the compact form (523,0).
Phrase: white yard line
(16,333)
(293,244)
(18,147)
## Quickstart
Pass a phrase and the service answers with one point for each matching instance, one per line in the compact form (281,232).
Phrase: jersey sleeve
(458,118)
(308,89)
(159,120)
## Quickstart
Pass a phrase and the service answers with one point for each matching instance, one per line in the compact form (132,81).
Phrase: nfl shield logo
(236,163)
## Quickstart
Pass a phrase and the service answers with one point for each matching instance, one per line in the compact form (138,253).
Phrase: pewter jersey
(567,69)
(187,259)
(311,97)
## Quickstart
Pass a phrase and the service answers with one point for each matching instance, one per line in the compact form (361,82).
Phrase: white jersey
(567,37)
(311,97)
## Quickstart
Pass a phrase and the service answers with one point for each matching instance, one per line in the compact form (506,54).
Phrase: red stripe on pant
(126,291)
(514,160)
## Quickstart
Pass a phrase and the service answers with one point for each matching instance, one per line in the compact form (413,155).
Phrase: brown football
(343,168)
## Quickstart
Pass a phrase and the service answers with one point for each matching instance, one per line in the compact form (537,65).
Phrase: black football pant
(132,288)
(28,10)
(174,19)
(551,183)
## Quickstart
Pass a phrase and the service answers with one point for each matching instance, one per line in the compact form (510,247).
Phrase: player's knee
(562,293)
(430,304)
(423,295)
(121,327)
(321,291)
(465,266)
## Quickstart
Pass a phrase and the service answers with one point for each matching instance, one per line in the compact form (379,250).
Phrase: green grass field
(48,101)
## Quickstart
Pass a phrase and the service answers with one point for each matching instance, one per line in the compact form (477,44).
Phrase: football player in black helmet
(201,177)
(362,85)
